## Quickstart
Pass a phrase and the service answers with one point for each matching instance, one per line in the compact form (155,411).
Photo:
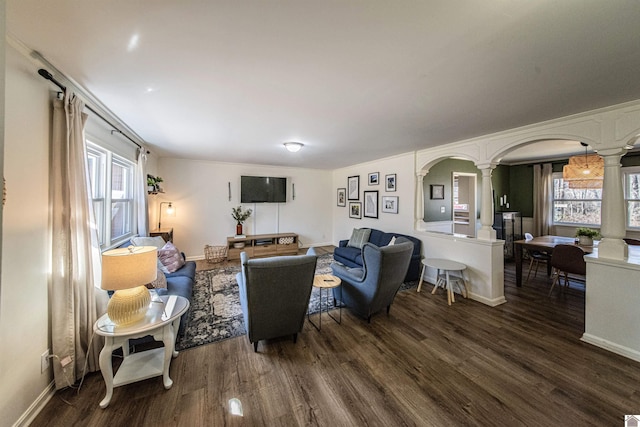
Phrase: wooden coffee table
(326,281)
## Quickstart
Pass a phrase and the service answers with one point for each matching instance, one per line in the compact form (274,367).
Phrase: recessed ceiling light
(133,42)
(293,146)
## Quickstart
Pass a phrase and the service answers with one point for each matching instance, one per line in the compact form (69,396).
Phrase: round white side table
(446,279)
(162,322)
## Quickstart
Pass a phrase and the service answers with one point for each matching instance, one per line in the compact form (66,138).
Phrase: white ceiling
(353,80)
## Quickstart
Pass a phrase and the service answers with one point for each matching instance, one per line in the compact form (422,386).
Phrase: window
(575,206)
(112,179)
(632,196)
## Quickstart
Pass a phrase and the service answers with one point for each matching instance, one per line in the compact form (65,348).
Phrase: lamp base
(128,306)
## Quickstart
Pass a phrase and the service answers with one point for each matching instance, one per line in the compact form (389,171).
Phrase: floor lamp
(169,212)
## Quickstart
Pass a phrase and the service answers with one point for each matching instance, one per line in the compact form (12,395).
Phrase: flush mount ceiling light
(584,171)
(293,146)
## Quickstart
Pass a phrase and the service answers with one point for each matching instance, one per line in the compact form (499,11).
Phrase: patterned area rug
(216,313)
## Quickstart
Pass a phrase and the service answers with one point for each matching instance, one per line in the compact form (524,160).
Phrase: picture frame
(355,210)
(353,187)
(374,178)
(437,191)
(370,204)
(390,204)
(390,182)
(342,197)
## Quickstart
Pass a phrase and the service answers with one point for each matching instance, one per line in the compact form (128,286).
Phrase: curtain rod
(47,75)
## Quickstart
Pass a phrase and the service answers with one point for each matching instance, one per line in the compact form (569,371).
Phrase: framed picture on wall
(390,182)
(371,204)
(355,210)
(390,204)
(374,178)
(437,191)
(342,197)
(353,187)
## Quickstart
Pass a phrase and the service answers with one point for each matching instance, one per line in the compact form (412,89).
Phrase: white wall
(200,193)
(402,222)
(24,309)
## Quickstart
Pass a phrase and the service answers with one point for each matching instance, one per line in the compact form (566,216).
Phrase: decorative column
(486,231)
(614,224)
(420,199)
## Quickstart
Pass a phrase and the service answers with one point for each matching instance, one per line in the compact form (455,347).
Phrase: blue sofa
(352,257)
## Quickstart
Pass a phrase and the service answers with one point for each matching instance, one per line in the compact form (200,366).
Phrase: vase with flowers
(240,215)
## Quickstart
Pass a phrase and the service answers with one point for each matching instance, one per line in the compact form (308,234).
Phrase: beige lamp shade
(125,268)
(126,271)
(584,171)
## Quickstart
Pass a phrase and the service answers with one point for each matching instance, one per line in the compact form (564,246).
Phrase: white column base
(613,249)
(487,234)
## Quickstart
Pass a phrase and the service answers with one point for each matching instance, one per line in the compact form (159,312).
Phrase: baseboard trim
(490,302)
(38,405)
(611,346)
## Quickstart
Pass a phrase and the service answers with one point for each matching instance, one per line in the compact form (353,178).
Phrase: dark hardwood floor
(521,363)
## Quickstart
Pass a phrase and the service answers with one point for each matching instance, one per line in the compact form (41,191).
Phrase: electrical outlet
(44,361)
(442,209)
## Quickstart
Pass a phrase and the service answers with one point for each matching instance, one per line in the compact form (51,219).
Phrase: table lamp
(126,271)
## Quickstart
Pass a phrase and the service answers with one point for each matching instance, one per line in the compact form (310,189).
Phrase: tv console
(262,245)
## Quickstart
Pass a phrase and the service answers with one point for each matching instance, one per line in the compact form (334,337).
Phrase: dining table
(542,244)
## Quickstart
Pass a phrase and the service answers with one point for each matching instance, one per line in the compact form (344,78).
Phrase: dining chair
(565,260)
(536,257)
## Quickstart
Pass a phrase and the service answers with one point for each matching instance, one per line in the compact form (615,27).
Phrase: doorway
(464,203)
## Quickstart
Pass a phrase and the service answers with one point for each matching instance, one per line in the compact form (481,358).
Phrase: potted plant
(240,216)
(153,184)
(586,235)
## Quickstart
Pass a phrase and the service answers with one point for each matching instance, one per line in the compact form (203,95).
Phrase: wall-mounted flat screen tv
(263,189)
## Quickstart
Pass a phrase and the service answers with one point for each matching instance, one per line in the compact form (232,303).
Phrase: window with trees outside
(632,196)
(575,206)
(111,179)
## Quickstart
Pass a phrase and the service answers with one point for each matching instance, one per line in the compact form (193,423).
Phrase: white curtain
(543,186)
(75,247)
(141,193)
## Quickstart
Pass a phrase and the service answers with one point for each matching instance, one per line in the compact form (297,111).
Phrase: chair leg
(556,277)
(388,308)
(531,265)
(295,338)
(255,347)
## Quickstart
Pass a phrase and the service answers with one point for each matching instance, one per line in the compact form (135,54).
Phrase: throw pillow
(170,257)
(156,241)
(161,267)
(359,237)
(160,282)
(392,241)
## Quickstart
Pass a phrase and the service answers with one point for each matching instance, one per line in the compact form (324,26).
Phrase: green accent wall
(515,181)
(441,173)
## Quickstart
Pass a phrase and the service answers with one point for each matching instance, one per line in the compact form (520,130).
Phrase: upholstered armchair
(274,294)
(373,287)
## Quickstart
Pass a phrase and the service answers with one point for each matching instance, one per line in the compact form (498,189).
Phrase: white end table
(445,280)
(162,322)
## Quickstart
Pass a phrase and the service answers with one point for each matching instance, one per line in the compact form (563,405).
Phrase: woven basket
(285,240)
(215,253)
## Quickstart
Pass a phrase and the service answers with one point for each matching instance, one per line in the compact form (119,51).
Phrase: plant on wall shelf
(153,183)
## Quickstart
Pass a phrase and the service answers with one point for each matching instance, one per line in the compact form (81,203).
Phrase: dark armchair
(274,294)
(373,287)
